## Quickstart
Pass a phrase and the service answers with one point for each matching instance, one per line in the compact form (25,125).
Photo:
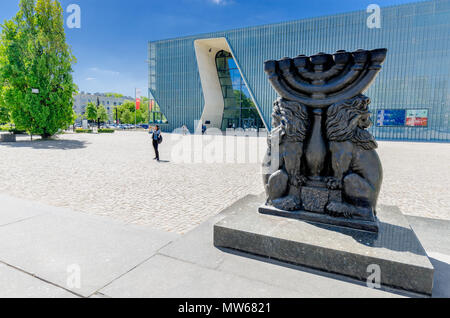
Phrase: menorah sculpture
(322,167)
(321,164)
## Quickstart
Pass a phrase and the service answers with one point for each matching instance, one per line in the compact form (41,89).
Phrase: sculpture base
(310,204)
(321,218)
(395,250)
(7,137)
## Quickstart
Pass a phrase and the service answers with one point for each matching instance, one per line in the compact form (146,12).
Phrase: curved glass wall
(239,109)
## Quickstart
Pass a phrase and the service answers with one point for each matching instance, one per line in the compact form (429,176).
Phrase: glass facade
(239,109)
(156,117)
(414,78)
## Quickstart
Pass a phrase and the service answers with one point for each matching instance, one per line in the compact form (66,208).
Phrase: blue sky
(111,46)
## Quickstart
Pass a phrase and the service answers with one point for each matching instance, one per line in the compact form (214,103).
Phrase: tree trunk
(46,136)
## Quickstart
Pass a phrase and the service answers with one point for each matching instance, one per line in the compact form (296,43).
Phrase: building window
(239,109)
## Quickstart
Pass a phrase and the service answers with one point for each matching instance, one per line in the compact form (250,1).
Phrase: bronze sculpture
(321,163)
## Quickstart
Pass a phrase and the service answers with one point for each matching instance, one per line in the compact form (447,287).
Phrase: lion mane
(343,119)
(292,120)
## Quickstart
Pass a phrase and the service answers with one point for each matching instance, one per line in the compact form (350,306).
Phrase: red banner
(138,103)
(150,104)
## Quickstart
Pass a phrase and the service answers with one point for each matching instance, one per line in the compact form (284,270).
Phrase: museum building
(218,80)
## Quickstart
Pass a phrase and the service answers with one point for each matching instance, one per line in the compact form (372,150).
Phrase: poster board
(391,118)
(417,118)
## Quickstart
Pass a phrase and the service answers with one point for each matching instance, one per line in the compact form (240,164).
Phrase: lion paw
(334,183)
(338,209)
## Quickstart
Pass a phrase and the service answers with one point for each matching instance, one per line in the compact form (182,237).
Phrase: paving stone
(58,246)
(17,284)
(114,175)
(163,276)
(11,212)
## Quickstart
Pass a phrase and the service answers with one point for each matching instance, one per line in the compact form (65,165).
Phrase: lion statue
(289,129)
(356,166)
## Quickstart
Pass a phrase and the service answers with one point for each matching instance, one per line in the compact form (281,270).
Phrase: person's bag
(160,139)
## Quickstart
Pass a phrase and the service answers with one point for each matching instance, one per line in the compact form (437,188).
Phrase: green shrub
(106,131)
(83,131)
(6,127)
(10,128)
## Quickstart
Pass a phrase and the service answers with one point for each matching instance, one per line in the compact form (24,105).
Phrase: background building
(218,78)
(108,100)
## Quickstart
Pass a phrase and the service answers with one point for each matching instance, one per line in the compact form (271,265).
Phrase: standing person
(156,140)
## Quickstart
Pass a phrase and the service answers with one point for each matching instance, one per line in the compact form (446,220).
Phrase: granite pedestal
(400,256)
(7,137)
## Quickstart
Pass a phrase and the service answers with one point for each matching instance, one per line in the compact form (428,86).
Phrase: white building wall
(81,101)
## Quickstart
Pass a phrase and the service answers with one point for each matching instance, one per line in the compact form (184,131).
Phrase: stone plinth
(395,249)
(7,137)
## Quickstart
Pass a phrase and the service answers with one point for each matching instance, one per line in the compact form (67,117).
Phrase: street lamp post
(33,91)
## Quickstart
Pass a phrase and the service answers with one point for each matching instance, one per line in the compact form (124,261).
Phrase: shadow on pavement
(50,144)
(441,288)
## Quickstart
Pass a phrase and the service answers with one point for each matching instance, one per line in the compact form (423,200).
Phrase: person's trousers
(155,146)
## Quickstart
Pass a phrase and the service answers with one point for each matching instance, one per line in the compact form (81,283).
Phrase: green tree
(4,114)
(102,114)
(142,114)
(144,111)
(80,116)
(116,95)
(34,54)
(91,112)
(127,117)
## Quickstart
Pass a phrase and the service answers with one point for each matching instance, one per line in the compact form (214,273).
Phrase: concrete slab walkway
(52,252)
(77,252)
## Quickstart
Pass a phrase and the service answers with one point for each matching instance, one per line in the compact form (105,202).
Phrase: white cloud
(102,71)
(220,2)
(90,79)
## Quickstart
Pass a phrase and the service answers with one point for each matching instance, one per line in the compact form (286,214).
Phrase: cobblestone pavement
(115,175)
